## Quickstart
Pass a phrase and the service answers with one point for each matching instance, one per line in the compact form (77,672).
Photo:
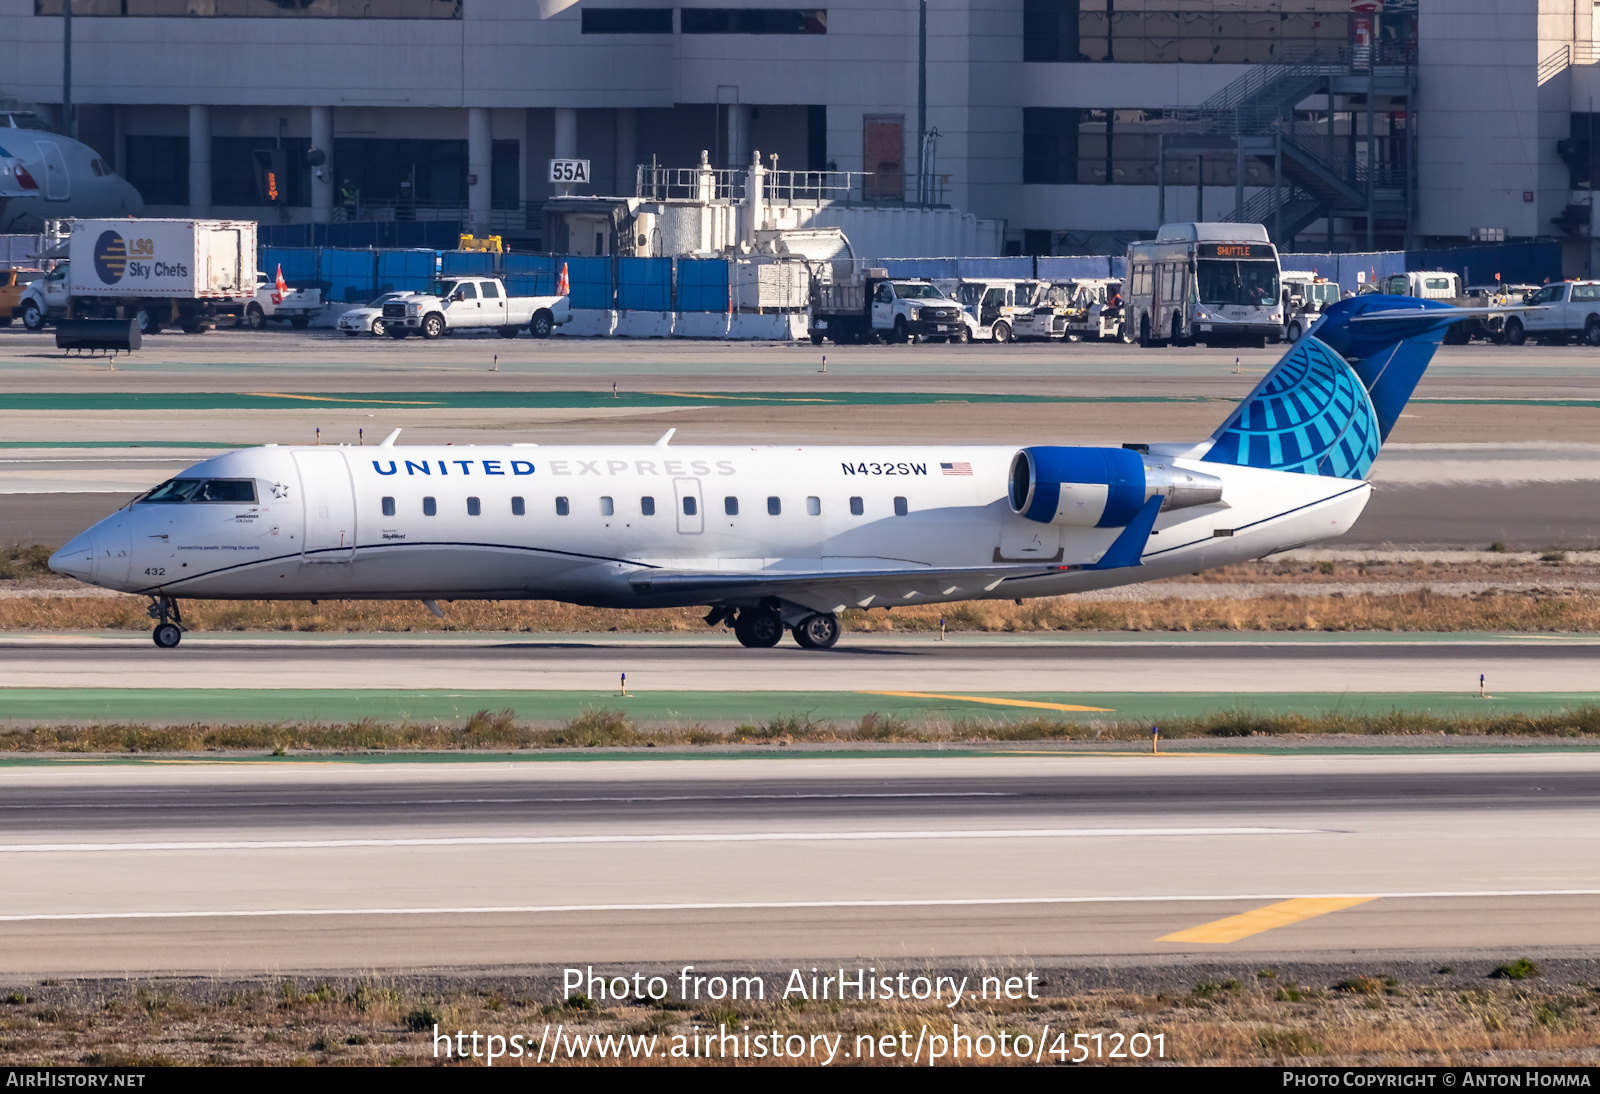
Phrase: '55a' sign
(569,170)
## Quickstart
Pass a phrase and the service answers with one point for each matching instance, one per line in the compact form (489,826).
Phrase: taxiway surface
(214,868)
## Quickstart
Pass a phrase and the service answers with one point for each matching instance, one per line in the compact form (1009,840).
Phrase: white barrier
(771,327)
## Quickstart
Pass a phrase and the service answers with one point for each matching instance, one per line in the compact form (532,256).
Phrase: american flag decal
(955,468)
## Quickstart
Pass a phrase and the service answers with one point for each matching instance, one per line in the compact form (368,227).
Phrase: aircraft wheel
(817,632)
(758,629)
(167,635)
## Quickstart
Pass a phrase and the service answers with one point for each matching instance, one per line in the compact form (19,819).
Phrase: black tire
(542,324)
(759,628)
(901,335)
(148,323)
(1456,335)
(818,632)
(167,635)
(508,332)
(433,326)
(5,320)
(300,322)
(1000,333)
(379,327)
(817,338)
(1144,333)
(959,338)
(1176,330)
(254,317)
(1591,331)
(352,334)
(1516,335)
(1294,332)
(32,317)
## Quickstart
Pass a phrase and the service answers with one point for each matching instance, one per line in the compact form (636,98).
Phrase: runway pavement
(1063,665)
(219,869)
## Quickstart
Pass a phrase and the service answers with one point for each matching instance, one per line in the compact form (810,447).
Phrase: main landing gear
(169,631)
(762,627)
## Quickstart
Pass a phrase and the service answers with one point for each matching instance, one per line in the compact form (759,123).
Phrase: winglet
(1128,549)
(665,437)
(388,442)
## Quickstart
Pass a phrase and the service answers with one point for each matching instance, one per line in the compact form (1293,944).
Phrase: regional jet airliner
(778,538)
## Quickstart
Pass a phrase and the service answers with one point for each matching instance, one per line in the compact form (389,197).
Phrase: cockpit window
(234,491)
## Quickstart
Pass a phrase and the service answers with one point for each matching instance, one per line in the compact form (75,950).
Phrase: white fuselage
(353,522)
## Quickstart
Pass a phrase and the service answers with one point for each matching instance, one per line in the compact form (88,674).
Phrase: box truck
(180,273)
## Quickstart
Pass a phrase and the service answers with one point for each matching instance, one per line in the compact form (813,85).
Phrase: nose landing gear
(169,631)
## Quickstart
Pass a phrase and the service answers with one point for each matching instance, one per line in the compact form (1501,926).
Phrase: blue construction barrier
(1530,263)
(299,265)
(467,264)
(590,282)
(703,284)
(644,284)
(406,271)
(530,275)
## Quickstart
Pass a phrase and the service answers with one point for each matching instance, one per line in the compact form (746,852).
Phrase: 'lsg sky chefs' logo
(115,258)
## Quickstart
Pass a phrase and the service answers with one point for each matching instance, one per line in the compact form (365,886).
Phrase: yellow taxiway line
(1281,914)
(992,701)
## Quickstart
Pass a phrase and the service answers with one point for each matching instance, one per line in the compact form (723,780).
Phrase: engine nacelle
(1101,487)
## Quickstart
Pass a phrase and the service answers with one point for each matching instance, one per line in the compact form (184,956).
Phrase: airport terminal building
(1079,124)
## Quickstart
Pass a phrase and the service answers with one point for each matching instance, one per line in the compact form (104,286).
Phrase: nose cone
(76,559)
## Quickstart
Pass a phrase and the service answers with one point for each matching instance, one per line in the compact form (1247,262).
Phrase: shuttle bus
(1211,283)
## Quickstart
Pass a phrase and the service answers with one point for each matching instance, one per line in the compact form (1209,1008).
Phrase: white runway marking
(782,905)
(134,803)
(649,837)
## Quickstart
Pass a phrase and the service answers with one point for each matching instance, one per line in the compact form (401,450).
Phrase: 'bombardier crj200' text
(776,538)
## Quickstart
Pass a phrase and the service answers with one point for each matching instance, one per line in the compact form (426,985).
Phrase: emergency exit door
(691,514)
(330,506)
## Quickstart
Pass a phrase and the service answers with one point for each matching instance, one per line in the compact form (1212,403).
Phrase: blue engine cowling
(1101,487)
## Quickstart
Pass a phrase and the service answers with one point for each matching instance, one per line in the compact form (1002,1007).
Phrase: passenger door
(57,183)
(691,513)
(330,506)
(1547,313)
(883,306)
(494,305)
(464,309)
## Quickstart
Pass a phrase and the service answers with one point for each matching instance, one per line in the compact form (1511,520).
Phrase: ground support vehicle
(994,309)
(1305,297)
(1095,310)
(161,272)
(1211,283)
(875,307)
(1497,294)
(368,319)
(297,307)
(13,283)
(1048,306)
(473,303)
(1557,314)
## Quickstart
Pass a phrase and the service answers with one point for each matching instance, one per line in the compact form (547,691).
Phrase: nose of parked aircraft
(76,559)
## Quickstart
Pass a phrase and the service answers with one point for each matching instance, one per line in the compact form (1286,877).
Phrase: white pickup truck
(468,303)
(1557,314)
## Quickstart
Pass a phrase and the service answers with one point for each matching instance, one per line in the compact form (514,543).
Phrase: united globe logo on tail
(110,257)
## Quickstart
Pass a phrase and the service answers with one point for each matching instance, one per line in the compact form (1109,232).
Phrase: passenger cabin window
(857,507)
(900,507)
(774,506)
(690,506)
(814,506)
(562,508)
(388,507)
(491,291)
(647,506)
(606,507)
(430,508)
(518,507)
(730,506)
(474,507)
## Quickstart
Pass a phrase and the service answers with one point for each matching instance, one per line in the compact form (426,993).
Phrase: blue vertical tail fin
(1327,407)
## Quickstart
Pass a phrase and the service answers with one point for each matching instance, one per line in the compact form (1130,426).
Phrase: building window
(900,507)
(606,507)
(752,20)
(388,507)
(518,507)
(505,175)
(236,176)
(730,506)
(774,507)
(430,508)
(474,507)
(647,506)
(814,506)
(1202,31)
(1063,146)
(627,20)
(260,9)
(857,507)
(158,167)
(562,508)
(402,172)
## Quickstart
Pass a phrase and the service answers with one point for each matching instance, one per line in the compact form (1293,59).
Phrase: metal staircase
(1320,173)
